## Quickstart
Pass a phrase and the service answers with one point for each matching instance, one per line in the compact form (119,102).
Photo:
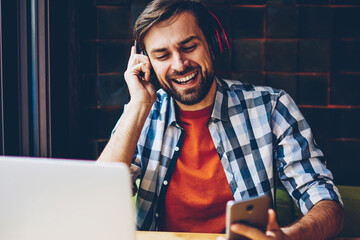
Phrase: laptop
(54,199)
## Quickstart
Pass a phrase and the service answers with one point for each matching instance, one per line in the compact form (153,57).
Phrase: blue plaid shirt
(253,128)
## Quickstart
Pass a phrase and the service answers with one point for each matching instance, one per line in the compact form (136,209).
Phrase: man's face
(180,56)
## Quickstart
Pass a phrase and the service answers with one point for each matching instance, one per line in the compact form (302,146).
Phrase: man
(203,140)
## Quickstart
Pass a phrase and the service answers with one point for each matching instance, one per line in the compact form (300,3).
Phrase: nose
(179,62)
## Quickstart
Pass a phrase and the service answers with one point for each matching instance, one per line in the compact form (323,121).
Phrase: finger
(144,68)
(148,72)
(272,223)
(132,56)
(247,231)
(147,75)
(142,58)
(136,59)
(133,49)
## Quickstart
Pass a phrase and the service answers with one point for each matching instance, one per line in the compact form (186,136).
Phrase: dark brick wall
(310,48)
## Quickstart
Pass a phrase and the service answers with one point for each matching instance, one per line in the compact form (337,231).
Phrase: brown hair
(160,10)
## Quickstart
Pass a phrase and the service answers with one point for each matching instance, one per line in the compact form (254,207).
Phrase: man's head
(161,10)
(174,35)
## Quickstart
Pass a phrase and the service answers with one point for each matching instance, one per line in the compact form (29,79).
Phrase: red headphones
(210,26)
(218,41)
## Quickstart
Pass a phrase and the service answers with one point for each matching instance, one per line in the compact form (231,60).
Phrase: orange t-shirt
(198,190)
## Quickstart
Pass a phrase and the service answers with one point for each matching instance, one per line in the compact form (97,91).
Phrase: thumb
(272,223)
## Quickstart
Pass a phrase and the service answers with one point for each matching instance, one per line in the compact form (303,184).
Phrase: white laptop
(47,199)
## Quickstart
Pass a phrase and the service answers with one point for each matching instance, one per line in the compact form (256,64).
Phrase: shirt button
(156,215)
(165,182)
(176,148)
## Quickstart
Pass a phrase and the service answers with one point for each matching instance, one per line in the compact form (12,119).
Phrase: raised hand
(137,77)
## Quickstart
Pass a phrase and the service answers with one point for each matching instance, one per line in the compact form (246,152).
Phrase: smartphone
(153,78)
(253,212)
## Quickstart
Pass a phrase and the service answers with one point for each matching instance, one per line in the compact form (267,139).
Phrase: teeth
(184,79)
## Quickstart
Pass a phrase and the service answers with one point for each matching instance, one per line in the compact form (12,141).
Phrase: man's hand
(323,221)
(137,77)
(273,231)
(122,144)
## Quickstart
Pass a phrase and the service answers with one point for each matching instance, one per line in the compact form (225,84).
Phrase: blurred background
(62,65)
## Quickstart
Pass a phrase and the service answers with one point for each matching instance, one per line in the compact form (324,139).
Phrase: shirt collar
(219,113)
(220,110)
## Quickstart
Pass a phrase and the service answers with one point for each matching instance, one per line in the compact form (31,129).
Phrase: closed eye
(162,57)
(190,48)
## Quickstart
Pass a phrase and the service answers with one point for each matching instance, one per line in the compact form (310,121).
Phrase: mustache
(177,74)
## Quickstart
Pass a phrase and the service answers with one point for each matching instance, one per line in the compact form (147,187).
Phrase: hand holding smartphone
(253,212)
(153,78)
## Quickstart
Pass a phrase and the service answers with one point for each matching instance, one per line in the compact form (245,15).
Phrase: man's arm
(323,221)
(122,144)
(304,176)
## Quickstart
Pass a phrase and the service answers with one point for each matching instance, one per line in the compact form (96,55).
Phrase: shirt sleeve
(135,171)
(298,159)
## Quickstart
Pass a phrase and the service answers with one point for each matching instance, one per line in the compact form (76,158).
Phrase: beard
(192,95)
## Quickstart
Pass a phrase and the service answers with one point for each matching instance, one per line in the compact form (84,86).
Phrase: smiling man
(183,61)
(201,141)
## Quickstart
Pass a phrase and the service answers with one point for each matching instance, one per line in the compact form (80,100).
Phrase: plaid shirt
(253,129)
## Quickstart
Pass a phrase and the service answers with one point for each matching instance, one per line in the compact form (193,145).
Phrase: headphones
(216,36)
(211,28)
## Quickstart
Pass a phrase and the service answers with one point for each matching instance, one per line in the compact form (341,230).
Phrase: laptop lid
(64,199)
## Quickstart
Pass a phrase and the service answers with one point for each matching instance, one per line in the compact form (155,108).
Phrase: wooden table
(147,235)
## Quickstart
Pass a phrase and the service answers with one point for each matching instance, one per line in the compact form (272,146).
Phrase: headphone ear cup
(219,42)
(215,43)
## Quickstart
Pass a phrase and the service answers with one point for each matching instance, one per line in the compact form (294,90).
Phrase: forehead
(172,31)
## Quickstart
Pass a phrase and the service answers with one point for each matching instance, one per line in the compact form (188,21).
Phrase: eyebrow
(189,39)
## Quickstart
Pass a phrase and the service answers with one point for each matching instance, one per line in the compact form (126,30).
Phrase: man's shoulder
(236,85)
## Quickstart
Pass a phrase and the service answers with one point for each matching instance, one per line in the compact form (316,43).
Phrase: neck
(206,102)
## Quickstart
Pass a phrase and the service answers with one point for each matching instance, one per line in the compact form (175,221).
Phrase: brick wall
(309,48)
